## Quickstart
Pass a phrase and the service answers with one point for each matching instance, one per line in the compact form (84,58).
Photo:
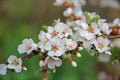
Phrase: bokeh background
(20,19)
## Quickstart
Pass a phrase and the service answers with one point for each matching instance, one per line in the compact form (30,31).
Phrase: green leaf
(53,24)
(44,28)
(95,19)
(88,18)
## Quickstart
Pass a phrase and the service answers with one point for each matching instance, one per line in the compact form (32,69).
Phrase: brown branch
(112,36)
(28,56)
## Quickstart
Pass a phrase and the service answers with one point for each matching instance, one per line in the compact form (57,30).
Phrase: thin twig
(113,36)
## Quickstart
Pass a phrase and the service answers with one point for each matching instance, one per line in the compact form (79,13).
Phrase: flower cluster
(83,30)
(13,63)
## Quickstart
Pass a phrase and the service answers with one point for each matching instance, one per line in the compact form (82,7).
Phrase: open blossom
(70,44)
(27,46)
(53,62)
(3,69)
(55,47)
(104,26)
(86,31)
(60,30)
(15,63)
(102,44)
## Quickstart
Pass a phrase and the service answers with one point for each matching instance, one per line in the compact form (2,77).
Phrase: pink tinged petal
(11,58)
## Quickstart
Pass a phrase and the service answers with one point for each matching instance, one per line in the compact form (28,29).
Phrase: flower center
(15,63)
(54,33)
(90,29)
(54,48)
(28,47)
(100,45)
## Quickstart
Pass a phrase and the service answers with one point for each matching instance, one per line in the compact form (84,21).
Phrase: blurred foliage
(20,19)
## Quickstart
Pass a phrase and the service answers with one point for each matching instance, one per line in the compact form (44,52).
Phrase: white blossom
(3,69)
(104,26)
(53,62)
(102,44)
(55,47)
(27,46)
(70,44)
(14,63)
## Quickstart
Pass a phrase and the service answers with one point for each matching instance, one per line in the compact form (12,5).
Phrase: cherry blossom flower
(3,69)
(15,63)
(102,44)
(104,26)
(27,46)
(53,62)
(70,44)
(55,47)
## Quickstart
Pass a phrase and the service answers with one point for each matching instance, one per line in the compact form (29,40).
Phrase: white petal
(51,65)
(58,62)
(11,58)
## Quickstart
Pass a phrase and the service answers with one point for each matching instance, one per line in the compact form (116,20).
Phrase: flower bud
(108,52)
(80,48)
(24,68)
(74,64)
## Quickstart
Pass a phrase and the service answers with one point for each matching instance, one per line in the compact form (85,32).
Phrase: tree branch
(113,36)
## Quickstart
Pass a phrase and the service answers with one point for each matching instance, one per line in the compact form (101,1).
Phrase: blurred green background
(20,19)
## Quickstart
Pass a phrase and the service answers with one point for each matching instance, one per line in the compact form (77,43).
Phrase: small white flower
(15,63)
(104,26)
(102,44)
(53,62)
(70,44)
(3,69)
(27,46)
(55,47)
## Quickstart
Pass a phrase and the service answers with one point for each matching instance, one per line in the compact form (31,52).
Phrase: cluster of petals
(13,63)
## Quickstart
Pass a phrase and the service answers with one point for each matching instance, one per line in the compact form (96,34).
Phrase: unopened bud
(54,70)
(78,54)
(74,64)
(24,68)
(80,48)
(108,52)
